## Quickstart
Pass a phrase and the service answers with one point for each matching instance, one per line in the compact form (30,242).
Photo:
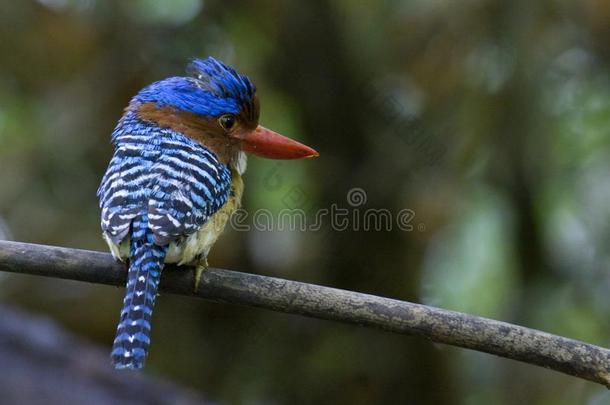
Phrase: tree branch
(568,356)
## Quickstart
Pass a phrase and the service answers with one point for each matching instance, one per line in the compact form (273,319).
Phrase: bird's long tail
(132,340)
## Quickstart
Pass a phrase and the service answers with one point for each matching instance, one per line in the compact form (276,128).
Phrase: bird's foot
(199,269)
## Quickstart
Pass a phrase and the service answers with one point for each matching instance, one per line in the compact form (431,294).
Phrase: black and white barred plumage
(160,188)
(174,180)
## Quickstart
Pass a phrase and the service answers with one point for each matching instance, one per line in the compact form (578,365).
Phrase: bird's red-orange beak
(265,143)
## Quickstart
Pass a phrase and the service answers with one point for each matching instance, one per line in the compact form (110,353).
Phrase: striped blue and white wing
(174,181)
(125,187)
(188,186)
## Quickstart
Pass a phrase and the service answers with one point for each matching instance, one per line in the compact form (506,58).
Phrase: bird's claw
(199,269)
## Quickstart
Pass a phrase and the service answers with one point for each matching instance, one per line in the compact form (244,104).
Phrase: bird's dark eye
(227,121)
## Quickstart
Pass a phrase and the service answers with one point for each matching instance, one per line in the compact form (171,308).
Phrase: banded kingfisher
(174,180)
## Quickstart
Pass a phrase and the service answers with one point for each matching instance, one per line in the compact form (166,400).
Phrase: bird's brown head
(218,108)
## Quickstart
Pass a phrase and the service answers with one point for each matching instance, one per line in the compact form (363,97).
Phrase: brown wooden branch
(503,339)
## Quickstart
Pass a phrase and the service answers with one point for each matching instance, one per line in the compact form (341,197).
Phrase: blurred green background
(489,119)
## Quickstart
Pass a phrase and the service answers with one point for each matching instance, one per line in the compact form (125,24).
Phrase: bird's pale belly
(196,246)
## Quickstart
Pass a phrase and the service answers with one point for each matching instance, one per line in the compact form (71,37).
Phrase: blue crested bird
(174,180)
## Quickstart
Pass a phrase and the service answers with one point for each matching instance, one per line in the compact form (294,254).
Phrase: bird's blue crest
(211,89)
